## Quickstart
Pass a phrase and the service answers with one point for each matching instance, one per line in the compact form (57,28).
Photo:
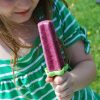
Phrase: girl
(22,63)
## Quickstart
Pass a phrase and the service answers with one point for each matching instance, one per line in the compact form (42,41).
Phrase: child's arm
(84,72)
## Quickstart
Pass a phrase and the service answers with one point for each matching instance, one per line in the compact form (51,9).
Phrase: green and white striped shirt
(30,74)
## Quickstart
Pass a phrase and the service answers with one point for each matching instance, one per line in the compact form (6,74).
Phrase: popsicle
(53,58)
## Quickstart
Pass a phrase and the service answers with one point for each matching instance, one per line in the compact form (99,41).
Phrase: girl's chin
(22,19)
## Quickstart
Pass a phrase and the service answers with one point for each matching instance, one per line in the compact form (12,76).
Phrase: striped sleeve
(71,30)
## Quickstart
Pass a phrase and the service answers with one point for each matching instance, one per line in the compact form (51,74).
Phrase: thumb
(49,79)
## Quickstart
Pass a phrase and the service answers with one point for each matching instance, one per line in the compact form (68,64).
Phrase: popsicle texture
(51,50)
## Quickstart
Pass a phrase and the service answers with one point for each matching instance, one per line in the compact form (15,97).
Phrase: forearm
(83,74)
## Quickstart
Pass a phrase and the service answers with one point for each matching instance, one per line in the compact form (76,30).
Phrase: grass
(87,13)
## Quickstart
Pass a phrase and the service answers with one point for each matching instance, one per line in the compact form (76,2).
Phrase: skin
(84,70)
(24,29)
(83,73)
(9,7)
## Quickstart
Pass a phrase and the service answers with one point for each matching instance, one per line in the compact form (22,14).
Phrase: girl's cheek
(6,4)
(6,7)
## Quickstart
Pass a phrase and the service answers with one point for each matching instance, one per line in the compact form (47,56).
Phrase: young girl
(22,63)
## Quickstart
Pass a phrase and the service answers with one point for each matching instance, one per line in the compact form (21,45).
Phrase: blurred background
(87,12)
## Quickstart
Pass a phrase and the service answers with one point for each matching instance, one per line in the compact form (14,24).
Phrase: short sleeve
(67,27)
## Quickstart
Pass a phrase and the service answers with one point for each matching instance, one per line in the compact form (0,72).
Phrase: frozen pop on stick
(54,61)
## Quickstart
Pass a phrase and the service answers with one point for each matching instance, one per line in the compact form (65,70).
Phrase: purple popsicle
(51,50)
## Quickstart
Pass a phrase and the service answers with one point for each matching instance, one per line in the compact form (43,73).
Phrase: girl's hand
(63,85)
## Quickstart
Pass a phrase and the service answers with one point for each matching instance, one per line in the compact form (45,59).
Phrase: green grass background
(87,12)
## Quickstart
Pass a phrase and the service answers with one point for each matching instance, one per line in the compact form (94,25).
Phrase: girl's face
(17,11)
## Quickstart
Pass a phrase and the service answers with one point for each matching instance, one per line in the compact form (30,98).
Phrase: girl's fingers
(67,97)
(49,79)
(61,79)
(61,88)
(65,93)
(64,86)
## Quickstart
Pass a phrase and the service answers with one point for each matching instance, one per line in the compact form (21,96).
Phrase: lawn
(87,12)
